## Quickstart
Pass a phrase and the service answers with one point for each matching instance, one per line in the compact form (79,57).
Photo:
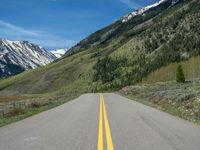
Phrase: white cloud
(16,29)
(13,32)
(130,3)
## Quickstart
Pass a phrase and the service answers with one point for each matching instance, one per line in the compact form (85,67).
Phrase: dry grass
(16,98)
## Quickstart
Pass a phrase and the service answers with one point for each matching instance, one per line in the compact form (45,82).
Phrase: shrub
(35,105)
(14,112)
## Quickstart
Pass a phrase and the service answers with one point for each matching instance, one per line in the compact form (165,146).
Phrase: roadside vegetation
(178,99)
(22,107)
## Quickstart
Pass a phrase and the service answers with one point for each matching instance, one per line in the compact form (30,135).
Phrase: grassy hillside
(191,70)
(70,74)
(118,55)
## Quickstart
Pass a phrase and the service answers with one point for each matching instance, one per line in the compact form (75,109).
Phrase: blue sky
(60,23)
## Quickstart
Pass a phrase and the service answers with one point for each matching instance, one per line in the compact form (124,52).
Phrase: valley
(137,57)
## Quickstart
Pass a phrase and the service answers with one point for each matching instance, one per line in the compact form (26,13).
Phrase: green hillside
(57,76)
(118,55)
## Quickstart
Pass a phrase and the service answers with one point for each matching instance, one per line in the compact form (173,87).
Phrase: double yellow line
(103,114)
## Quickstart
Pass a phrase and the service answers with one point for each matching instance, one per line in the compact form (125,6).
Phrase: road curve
(75,126)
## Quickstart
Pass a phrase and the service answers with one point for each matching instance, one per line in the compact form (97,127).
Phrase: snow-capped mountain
(59,52)
(144,9)
(18,56)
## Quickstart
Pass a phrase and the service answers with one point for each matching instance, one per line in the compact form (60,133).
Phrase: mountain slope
(19,56)
(119,32)
(120,54)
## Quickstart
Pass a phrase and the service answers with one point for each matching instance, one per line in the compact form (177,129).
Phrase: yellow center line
(107,127)
(100,134)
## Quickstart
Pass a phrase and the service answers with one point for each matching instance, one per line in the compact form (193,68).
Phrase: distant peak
(59,52)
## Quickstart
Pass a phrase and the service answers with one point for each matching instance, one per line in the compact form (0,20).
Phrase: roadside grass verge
(181,100)
(33,109)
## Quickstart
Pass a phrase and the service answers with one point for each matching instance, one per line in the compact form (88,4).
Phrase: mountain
(118,55)
(145,9)
(59,52)
(18,56)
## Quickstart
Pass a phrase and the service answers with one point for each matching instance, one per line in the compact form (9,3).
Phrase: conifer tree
(180,78)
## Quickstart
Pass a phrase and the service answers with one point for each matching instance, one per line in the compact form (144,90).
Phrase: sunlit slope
(191,69)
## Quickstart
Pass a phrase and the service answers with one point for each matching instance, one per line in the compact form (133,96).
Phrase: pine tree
(180,78)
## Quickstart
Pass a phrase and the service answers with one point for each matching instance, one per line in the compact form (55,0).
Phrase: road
(101,122)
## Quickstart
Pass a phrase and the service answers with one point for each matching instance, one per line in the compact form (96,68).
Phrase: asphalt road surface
(101,122)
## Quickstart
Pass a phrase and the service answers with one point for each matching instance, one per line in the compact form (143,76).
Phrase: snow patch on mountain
(144,9)
(59,52)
